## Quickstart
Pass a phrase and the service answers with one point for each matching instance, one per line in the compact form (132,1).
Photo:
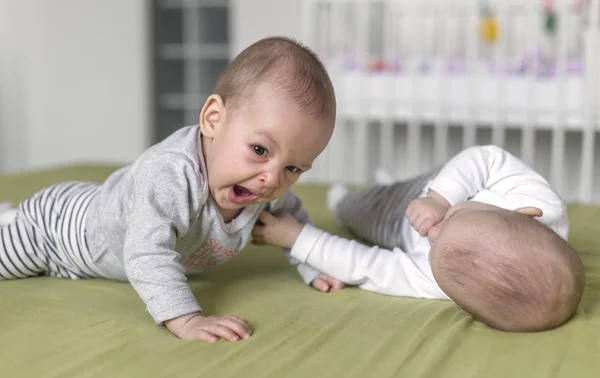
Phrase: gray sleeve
(160,212)
(290,203)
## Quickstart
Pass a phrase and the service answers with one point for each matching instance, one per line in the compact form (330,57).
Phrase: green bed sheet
(62,328)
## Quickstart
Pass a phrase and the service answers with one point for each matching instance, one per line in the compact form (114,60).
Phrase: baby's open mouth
(240,194)
(240,191)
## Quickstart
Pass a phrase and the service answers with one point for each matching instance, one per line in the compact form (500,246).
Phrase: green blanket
(62,328)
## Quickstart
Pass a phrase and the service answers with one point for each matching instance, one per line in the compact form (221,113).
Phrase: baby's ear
(530,211)
(212,113)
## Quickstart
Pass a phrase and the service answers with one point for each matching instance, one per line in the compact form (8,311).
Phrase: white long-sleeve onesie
(486,174)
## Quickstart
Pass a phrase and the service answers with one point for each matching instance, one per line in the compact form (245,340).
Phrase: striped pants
(47,237)
(375,215)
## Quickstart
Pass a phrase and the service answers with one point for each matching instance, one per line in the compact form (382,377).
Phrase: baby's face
(261,148)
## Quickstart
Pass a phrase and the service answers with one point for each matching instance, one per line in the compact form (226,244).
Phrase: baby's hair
(291,67)
(513,274)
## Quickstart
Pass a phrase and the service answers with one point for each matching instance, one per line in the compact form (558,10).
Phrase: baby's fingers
(412,218)
(258,235)
(335,285)
(241,320)
(419,224)
(234,328)
(266,218)
(321,284)
(204,336)
(215,331)
(425,226)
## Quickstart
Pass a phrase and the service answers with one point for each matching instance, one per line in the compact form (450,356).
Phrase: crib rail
(417,81)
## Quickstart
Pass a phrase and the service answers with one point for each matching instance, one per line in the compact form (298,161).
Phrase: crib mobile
(489,25)
(488,32)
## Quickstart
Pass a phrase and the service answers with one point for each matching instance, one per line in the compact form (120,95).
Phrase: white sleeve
(371,268)
(492,175)
(290,203)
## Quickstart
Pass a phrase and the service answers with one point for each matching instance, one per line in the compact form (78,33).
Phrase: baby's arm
(372,268)
(290,203)
(493,175)
(160,213)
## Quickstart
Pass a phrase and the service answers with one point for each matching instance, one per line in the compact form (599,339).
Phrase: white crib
(418,80)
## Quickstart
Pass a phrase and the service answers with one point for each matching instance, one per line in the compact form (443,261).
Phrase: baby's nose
(271,179)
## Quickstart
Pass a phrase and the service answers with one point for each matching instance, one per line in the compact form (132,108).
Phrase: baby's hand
(281,230)
(209,328)
(326,284)
(424,213)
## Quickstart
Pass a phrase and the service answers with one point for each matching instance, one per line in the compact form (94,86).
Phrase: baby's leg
(376,215)
(7,213)
(46,235)
(19,258)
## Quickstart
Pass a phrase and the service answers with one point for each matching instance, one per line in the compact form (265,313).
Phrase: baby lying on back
(484,231)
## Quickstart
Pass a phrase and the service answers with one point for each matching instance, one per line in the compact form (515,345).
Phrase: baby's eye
(260,151)
(292,169)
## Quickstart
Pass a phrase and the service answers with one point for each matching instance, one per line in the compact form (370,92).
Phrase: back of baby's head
(293,70)
(512,273)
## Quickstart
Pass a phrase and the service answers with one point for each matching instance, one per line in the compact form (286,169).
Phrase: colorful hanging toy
(488,26)
(377,65)
(550,18)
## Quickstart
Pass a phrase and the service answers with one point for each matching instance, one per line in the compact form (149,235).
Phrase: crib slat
(587,162)
(360,127)
(305,18)
(386,143)
(469,130)
(390,56)
(443,12)
(310,17)
(531,116)
(413,162)
(361,151)
(336,155)
(413,148)
(500,61)
(557,155)
(592,50)
(336,167)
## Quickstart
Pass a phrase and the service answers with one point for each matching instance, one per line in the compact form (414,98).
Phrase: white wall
(256,19)
(75,82)
(12,132)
